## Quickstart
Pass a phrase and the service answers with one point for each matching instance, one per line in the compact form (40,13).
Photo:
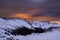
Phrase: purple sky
(36,8)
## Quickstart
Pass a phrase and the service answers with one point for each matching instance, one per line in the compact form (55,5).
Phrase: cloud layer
(33,9)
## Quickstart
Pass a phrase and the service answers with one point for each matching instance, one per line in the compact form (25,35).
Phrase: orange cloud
(24,16)
(43,18)
(29,17)
(39,18)
(55,22)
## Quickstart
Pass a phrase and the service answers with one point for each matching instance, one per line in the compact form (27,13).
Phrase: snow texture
(52,30)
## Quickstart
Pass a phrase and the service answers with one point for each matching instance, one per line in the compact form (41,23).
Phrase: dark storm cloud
(53,9)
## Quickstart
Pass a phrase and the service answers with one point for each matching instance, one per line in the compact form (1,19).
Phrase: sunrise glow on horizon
(42,10)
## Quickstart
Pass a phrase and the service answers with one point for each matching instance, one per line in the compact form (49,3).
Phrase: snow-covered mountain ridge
(16,25)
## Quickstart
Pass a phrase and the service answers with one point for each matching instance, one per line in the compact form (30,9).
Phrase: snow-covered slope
(13,23)
(44,24)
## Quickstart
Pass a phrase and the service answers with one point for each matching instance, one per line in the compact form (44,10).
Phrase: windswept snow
(44,24)
(7,24)
(13,23)
(43,36)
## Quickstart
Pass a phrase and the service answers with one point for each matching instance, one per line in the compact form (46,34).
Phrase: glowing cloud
(24,16)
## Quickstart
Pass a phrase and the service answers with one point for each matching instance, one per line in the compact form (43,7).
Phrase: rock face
(25,31)
(39,30)
(22,31)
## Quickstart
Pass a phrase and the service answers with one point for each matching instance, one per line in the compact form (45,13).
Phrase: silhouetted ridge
(22,31)
(51,28)
(39,30)
(25,31)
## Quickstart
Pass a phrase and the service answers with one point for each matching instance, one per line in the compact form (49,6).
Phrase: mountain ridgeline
(16,26)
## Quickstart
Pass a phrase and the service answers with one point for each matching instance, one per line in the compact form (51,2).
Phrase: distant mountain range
(15,23)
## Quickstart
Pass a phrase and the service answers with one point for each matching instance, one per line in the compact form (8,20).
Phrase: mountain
(13,23)
(44,24)
(14,29)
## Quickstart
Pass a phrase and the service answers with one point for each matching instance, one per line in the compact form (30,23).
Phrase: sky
(44,10)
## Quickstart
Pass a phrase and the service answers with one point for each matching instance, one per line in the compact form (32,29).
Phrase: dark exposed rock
(22,31)
(51,28)
(39,30)
(11,38)
(25,31)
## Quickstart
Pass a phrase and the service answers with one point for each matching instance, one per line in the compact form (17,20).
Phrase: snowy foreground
(12,24)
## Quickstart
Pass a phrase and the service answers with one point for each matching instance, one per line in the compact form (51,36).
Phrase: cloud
(53,9)
(24,16)
(18,8)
